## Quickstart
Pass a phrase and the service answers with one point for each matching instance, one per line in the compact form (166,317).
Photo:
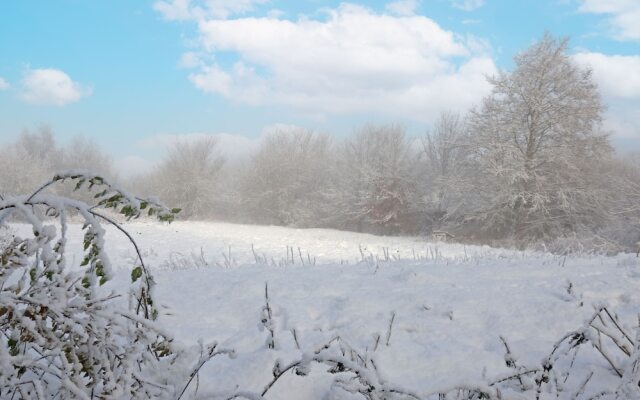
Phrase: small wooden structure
(441,236)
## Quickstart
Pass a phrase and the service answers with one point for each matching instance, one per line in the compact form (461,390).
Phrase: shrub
(62,335)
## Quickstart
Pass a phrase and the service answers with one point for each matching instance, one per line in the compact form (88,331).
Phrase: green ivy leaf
(14,349)
(79,184)
(86,261)
(136,273)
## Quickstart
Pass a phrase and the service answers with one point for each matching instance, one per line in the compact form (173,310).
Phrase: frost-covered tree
(444,180)
(83,153)
(31,158)
(619,182)
(40,145)
(188,176)
(373,183)
(288,178)
(28,161)
(538,138)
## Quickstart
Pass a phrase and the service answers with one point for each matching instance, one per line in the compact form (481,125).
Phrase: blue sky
(134,74)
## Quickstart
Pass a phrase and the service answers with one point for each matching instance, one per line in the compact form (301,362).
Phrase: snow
(327,246)
(451,302)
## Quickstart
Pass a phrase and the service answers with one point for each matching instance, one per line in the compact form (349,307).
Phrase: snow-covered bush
(63,335)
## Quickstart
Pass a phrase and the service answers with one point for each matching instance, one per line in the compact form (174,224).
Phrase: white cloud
(4,85)
(213,80)
(403,8)
(174,10)
(624,16)
(618,78)
(50,86)
(467,5)
(190,59)
(181,10)
(353,61)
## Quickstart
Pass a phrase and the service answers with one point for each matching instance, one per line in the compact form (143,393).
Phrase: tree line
(529,166)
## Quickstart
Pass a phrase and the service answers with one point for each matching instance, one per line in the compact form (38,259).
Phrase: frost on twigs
(354,372)
(563,375)
(61,336)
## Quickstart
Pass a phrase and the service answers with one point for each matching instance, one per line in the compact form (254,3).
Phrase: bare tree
(83,153)
(40,145)
(28,161)
(288,177)
(537,137)
(444,153)
(32,157)
(620,183)
(189,174)
(373,183)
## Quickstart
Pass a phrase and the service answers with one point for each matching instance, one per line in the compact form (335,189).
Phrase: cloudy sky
(136,74)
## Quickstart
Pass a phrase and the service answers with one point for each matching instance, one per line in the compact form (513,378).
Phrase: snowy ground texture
(449,303)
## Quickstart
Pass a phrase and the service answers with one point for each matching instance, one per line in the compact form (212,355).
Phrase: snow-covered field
(449,303)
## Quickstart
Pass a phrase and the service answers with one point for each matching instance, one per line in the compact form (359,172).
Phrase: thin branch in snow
(390,329)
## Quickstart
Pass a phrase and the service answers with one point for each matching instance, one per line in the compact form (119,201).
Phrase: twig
(267,318)
(295,338)
(393,317)
(203,360)
(583,386)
